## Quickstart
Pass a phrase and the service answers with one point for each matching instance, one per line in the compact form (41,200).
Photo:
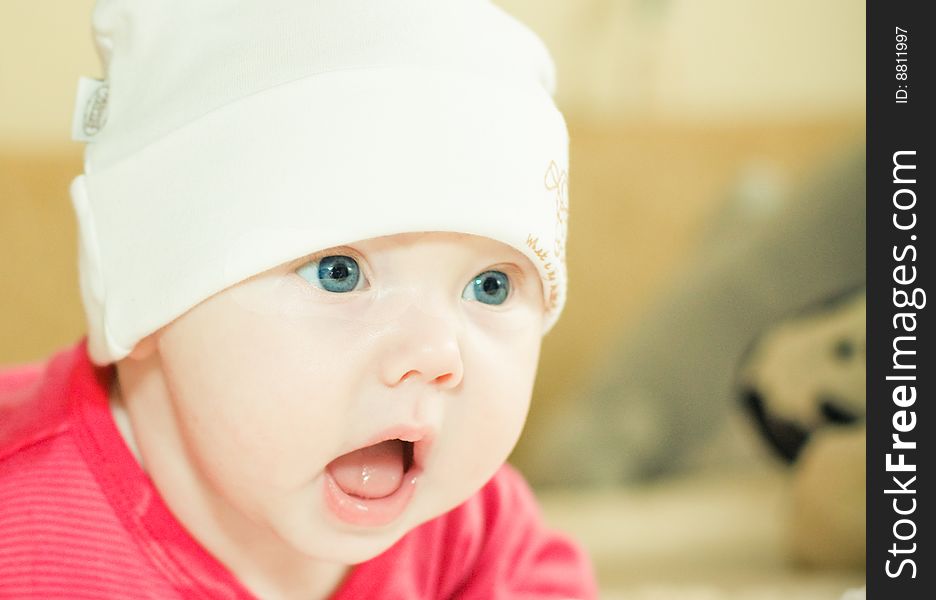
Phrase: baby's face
(430,341)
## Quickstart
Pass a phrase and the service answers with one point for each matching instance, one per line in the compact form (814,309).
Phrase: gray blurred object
(666,389)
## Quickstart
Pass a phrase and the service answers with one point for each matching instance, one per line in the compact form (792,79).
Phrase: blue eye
(334,273)
(490,287)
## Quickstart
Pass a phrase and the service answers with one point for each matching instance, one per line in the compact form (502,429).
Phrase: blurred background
(698,417)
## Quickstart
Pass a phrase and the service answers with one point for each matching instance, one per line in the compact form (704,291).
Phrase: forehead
(404,240)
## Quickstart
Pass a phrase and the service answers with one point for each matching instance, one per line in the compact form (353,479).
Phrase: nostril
(443,379)
(785,437)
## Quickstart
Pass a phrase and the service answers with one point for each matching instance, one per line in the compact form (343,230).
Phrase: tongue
(371,472)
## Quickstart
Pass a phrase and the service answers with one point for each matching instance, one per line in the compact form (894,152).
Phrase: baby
(320,243)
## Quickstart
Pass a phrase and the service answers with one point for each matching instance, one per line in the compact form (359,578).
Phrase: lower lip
(370,512)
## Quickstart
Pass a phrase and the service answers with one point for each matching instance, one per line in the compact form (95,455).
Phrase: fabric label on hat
(90,112)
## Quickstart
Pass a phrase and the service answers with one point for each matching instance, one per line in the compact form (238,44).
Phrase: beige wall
(44,46)
(720,60)
(706,60)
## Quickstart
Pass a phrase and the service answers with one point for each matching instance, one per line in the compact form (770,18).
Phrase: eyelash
(339,250)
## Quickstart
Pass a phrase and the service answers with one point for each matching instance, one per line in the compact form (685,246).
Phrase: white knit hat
(229,137)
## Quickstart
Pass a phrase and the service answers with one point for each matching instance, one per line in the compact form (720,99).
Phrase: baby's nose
(423,348)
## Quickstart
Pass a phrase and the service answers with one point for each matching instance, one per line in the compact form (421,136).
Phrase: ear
(144,347)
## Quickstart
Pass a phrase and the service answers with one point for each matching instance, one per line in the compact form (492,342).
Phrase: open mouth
(373,471)
(373,484)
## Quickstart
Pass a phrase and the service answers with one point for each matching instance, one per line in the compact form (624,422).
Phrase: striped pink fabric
(60,538)
(80,519)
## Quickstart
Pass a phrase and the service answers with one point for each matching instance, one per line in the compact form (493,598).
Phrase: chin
(334,543)
(358,551)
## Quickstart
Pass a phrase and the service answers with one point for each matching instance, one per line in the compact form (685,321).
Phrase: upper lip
(407,433)
(421,437)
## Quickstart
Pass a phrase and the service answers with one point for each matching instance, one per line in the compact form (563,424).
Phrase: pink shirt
(80,519)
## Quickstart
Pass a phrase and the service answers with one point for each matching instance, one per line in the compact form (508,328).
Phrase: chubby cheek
(483,424)
(267,405)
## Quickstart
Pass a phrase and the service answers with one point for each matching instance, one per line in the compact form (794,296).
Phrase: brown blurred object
(828,501)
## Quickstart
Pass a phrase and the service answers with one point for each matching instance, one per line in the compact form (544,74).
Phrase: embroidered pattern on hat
(558,179)
(555,180)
